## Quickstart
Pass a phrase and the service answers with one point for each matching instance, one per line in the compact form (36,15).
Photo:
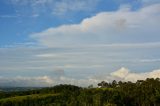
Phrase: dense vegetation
(141,93)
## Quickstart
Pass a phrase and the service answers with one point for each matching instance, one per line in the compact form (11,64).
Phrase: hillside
(140,93)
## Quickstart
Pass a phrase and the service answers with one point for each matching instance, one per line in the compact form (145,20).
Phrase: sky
(80,42)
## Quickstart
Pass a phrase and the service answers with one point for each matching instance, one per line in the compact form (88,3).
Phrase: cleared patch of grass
(31,97)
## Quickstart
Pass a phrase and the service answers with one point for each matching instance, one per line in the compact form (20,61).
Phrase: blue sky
(19,18)
(48,42)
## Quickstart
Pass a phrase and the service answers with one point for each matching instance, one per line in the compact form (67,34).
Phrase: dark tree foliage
(141,93)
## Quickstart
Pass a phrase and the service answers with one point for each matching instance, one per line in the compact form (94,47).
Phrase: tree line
(140,93)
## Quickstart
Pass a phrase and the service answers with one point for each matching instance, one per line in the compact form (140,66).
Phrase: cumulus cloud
(125,75)
(106,27)
(122,74)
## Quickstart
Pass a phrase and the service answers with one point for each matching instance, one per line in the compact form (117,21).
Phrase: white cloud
(21,81)
(43,81)
(106,27)
(57,7)
(32,60)
(122,74)
(125,75)
(62,8)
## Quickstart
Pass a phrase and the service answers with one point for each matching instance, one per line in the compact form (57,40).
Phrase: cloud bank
(125,75)
(123,25)
(122,74)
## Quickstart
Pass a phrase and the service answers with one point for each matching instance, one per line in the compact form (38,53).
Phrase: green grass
(31,97)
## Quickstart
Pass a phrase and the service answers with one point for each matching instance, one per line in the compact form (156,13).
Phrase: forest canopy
(141,93)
